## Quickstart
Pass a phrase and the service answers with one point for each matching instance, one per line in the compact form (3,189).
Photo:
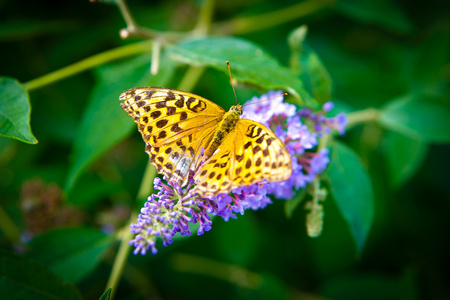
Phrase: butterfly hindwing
(249,154)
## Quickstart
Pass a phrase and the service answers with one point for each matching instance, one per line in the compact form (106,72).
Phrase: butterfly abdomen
(226,125)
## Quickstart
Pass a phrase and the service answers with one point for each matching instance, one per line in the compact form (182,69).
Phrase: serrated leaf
(381,12)
(22,278)
(104,123)
(71,253)
(404,155)
(307,63)
(15,111)
(249,63)
(351,188)
(419,116)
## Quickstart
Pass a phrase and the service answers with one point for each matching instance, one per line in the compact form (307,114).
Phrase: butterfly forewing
(175,126)
(250,153)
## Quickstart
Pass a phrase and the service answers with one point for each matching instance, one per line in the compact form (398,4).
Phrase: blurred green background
(374,52)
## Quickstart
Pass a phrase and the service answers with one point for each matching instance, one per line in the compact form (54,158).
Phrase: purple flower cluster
(168,212)
(173,208)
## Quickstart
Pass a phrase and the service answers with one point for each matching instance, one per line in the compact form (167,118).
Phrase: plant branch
(146,187)
(125,235)
(234,26)
(190,78)
(231,273)
(88,63)
(204,19)
(125,11)
(133,30)
(121,258)
(362,116)
(249,24)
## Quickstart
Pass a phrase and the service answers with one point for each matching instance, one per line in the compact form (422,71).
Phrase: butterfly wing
(249,154)
(175,126)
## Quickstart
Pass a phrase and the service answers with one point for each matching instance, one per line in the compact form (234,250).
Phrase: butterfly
(185,132)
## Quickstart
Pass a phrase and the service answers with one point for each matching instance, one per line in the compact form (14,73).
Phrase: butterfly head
(237,109)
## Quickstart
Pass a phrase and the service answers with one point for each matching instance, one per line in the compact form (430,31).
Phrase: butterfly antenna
(231,81)
(282,95)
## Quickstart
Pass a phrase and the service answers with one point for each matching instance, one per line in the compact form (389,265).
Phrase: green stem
(125,11)
(235,26)
(8,227)
(141,282)
(231,273)
(362,116)
(122,255)
(88,63)
(190,78)
(323,142)
(133,30)
(125,236)
(146,187)
(255,23)
(204,18)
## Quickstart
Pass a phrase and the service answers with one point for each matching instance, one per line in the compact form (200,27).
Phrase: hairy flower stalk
(173,208)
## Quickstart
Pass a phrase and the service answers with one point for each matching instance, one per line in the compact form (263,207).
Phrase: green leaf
(104,122)
(404,155)
(305,62)
(15,111)
(22,278)
(380,12)
(71,253)
(249,63)
(419,116)
(351,187)
(106,295)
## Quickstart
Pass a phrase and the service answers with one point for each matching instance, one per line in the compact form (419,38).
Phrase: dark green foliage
(351,187)
(22,278)
(384,63)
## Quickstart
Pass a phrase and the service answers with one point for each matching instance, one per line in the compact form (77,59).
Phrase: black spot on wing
(183,116)
(155,114)
(170,96)
(161,123)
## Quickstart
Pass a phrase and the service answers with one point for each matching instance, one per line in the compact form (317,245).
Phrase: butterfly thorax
(225,126)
